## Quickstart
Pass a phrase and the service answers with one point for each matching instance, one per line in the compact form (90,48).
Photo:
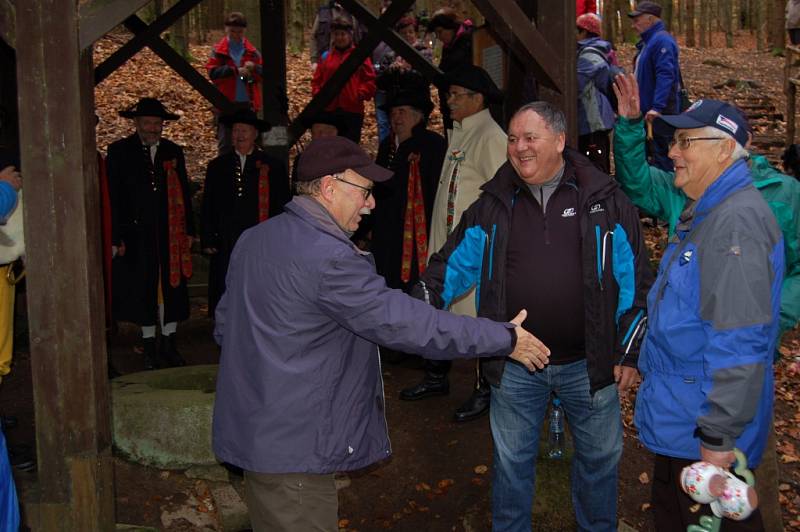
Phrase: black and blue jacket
(616,275)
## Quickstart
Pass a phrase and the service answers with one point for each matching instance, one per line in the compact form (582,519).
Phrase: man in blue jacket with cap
(713,314)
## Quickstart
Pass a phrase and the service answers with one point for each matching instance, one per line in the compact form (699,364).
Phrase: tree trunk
(609,21)
(728,17)
(760,12)
(702,27)
(626,30)
(295,27)
(776,22)
(688,23)
(667,14)
(679,15)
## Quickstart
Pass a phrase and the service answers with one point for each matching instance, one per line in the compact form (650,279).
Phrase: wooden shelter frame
(55,87)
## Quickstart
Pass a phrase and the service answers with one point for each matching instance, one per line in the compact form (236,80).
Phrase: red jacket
(222,71)
(585,6)
(359,88)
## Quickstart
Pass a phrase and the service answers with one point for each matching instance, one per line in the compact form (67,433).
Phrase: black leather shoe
(476,406)
(149,346)
(169,352)
(431,385)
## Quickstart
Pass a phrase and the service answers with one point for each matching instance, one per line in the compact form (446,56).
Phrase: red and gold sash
(414,226)
(180,256)
(263,190)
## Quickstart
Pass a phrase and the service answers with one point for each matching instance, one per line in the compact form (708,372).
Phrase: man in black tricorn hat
(243,188)
(476,149)
(152,231)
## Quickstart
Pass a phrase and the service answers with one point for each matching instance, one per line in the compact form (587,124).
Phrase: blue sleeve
(8,200)
(665,58)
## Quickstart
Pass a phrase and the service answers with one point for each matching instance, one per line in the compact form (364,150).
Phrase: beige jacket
(478,146)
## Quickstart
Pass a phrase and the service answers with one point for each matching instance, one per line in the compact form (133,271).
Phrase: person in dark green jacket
(651,189)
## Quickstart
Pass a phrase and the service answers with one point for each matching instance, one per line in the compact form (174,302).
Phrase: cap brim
(667,124)
(134,114)
(374,172)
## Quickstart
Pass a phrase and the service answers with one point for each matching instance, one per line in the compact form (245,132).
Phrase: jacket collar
(318,216)
(734,178)
(222,46)
(652,30)
(473,121)
(580,172)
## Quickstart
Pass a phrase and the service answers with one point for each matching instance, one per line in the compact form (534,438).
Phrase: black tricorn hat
(475,79)
(246,116)
(148,107)
(413,98)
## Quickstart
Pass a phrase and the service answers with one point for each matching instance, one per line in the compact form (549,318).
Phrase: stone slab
(163,418)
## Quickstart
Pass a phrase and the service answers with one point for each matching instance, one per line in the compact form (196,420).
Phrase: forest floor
(438,478)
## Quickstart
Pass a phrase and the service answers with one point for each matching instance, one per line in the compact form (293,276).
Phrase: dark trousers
(440,368)
(794,35)
(597,147)
(353,122)
(671,506)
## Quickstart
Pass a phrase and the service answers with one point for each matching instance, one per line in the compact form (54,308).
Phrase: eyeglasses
(454,95)
(367,190)
(684,142)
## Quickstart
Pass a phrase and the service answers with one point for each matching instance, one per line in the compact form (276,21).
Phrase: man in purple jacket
(299,392)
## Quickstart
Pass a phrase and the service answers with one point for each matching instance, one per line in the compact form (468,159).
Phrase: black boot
(149,345)
(477,405)
(432,384)
(169,352)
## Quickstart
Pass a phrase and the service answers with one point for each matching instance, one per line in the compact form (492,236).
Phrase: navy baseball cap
(715,113)
(331,155)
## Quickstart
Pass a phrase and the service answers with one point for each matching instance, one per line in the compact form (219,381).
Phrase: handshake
(529,350)
(728,496)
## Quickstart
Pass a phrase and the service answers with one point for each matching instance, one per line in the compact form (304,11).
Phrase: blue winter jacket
(658,71)
(594,109)
(713,314)
(299,388)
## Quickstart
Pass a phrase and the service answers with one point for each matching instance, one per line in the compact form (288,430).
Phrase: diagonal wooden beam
(508,21)
(130,48)
(395,41)
(172,58)
(98,17)
(350,65)
(8,19)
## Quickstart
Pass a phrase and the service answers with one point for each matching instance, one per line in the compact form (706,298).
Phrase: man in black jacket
(152,229)
(552,234)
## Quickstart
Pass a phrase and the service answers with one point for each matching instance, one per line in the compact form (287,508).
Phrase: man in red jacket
(359,88)
(235,67)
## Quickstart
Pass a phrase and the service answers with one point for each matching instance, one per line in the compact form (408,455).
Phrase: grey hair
(308,188)
(552,115)
(739,151)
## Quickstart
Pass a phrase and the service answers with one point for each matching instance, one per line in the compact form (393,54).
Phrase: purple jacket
(299,387)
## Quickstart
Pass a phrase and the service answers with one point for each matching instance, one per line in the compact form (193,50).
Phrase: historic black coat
(139,219)
(391,198)
(230,206)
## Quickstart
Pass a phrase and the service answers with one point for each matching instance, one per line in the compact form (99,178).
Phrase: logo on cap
(727,123)
(694,106)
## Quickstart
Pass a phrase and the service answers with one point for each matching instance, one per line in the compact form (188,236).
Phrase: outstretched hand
(626,89)
(529,350)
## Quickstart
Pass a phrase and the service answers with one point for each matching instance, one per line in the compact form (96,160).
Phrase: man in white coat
(476,149)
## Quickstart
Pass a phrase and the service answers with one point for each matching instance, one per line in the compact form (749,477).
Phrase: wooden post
(274,92)
(65,278)
(556,21)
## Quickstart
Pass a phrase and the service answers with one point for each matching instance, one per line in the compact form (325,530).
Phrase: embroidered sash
(414,232)
(180,256)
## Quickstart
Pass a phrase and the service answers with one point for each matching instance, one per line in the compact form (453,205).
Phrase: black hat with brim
(332,155)
(331,118)
(413,98)
(442,20)
(476,79)
(246,116)
(148,107)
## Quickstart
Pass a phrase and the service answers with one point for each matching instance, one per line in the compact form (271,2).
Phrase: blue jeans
(517,411)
